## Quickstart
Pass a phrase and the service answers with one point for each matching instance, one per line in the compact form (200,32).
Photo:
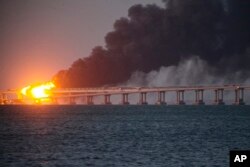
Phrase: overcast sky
(40,37)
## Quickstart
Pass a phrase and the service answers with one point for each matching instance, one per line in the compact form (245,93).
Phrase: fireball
(38,91)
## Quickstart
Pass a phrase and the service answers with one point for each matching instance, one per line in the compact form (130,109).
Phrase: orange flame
(38,91)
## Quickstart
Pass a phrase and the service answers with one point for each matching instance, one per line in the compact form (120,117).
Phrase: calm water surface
(122,135)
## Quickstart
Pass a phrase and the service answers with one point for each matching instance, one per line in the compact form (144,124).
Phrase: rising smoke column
(152,37)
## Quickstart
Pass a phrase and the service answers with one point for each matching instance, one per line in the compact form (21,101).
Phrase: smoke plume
(154,40)
(192,71)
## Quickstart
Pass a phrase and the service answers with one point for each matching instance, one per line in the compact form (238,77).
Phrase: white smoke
(189,72)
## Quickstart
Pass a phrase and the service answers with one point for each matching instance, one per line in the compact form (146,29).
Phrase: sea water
(122,135)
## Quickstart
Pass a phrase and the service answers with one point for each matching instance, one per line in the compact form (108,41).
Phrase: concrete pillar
(219,95)
(239,96)
(107,100)
(199,97)
(90,100)
(72,101)
(143,98)
(1,98)
(54,100)
(37,101)
(83,99)
(125,99)
(180,97)
(4,96)
(4,99)
(216,96)
(19,96)
(161,98)
(236,96)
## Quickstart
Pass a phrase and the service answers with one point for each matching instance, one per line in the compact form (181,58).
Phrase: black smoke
(218,31)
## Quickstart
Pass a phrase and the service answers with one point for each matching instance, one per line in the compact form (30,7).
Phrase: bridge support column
(19,96)
(4,99)
(125,99)
(54,100)
(83,99)
(219,95)
(161,98)
(143,98)
(239,96)
(72,101)
(90,100)
(180,97)
(107,99)
(199,97)
(1,98)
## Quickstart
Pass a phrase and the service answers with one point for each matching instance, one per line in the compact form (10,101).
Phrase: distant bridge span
(88,93)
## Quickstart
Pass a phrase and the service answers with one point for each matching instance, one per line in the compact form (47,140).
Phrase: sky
(40,37)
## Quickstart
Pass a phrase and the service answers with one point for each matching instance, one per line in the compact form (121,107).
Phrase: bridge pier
(54,100)
(72,101)
(125,99)
(180,97)
(161,98)
(37,101)
(143,98)
(219,95)
(107,99)
(239,96)
(1,99)
(199,97)
(83,99)
(19,96)
(90,100)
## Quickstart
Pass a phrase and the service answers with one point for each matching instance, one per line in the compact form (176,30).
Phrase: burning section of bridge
(38,92)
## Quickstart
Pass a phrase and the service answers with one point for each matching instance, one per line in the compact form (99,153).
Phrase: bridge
(72,94)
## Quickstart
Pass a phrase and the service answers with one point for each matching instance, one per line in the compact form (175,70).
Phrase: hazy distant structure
(150,37)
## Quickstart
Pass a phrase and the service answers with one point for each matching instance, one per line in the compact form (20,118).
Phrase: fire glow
(38,91)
